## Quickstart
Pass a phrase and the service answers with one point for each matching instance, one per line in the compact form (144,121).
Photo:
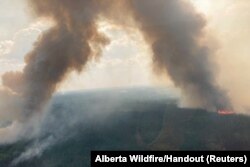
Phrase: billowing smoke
(171,27)
(67,46)
(174,30)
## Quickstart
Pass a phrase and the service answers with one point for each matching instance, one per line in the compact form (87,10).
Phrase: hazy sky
(126,61)
(228,22)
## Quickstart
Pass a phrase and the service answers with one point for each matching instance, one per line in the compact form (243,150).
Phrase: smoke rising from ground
(172,28)
(63,48)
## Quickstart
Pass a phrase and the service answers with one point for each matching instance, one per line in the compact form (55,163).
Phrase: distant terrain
(123,119)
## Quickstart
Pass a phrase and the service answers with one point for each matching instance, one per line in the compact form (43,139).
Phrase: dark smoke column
(173,29)
(63,48)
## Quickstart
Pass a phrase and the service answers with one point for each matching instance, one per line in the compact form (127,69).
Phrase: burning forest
(173,30)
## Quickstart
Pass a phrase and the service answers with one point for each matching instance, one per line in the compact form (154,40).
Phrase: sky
(126,60)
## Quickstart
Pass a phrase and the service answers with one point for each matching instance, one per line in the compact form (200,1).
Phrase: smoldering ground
(124,119)
(73,111)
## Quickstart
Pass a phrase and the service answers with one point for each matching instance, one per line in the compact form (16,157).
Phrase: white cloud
(13,51)
(5,47)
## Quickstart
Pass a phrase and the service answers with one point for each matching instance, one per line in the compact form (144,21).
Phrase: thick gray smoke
(171,27)
(174,30)
(65,47)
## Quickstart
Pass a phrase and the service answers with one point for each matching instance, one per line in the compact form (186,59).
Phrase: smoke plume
(174,31)
(172,28)
(63,48)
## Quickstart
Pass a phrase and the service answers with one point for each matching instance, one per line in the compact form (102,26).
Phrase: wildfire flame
(225,112)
